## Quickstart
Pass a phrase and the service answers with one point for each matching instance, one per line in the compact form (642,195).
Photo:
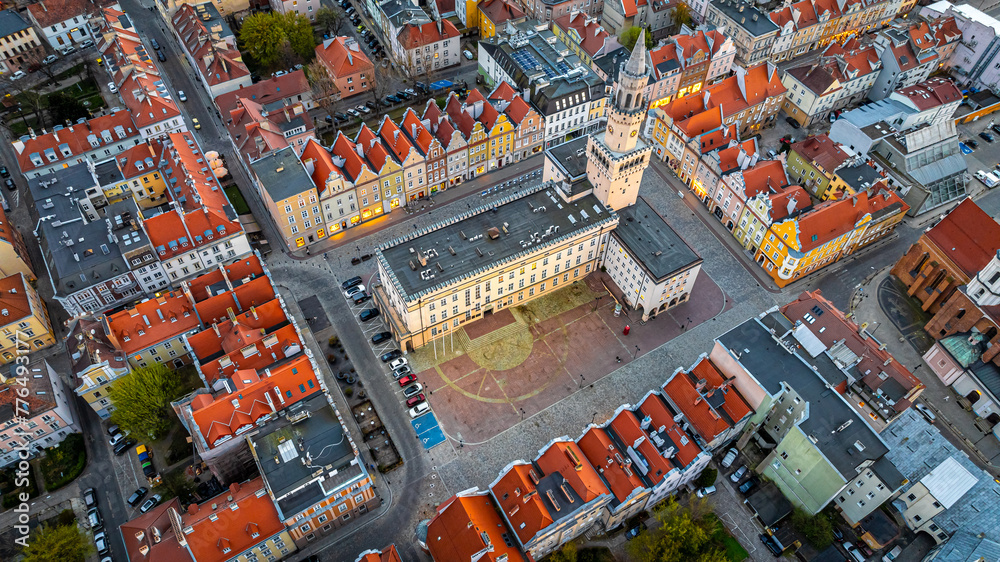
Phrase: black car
(3,172)
(391,99)
(403,95)
(342,117)
(792,122)
(748,486)
(372,105)
(838,535)
(421,86)
(972,144)
(353,281)
(381,337)
(368,314)
(137,496)
(390,355)
(361,297)
(772,544)
(9,182)
(123,446)
(161,56)
(148,469)
(986,136)
(996,129)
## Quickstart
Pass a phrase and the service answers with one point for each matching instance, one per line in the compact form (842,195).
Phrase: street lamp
(634,355)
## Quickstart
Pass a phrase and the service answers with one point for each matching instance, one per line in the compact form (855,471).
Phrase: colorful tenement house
(25,320)
(714,408)
(814,161)
(92,140)
(687,63)
(843,75)
(256,130)
(96,365)
(349,69)
(467,526)
(50,414)
(585,36)
(494,14)
(529,126)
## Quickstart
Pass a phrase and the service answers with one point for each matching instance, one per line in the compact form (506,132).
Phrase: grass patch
(734,550)
(555,303)
(64,75)
(20,128)
(237,200)
(64,462)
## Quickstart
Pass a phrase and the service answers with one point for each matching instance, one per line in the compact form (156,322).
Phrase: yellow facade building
(25,322)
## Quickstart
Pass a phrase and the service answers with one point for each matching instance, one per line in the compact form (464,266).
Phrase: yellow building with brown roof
(24,322)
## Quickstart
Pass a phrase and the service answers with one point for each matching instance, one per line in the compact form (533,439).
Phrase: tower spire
(636,65)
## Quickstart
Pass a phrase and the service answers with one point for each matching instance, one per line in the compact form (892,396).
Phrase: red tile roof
(387,554)
(353,163)
(219,307)
(931,93)
(500,11)
(832,219)
(342,57)
(629,431)
(414,36)
(14,299)
(760,83)
(50,12)
(601,453)
(323,168)
(734,405)
(503,91)
(151,322)
(216,56)
(105,131)
(416,131)
(789,200)
(467,525)
(730,159)
(275,88)
(151,536)
(719,138)
(765,176)
(517,497)
(661,415)
(236,525)
(589,33)
(254,395)
(968,236)
(566,458)
(822,151)
(394,139)
(707,420)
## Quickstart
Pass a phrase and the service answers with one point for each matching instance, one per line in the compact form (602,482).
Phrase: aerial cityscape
(500,280)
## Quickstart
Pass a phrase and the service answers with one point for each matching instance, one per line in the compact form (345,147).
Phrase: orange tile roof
(734,405)
(418,134)
(626,426)
(500,11)
(322,162)
(394,139)
(597,446)
(503,91)
(252,293)
(387,554)
(760,83)
(594,40)
(414,36)
(51,12)
(705,419)
(457,531)
(765,176)
(702,122)
(789,200)
(217,58)
(266,91)
(151,536)
(14,299)
(968,236)
(151,322)
(236,272)
(517,497)
(354,164)
(254,395)
(729,157)
(822,151)
(661,415)
(719,138)
(566,458)
(343,58)
(237,525)
(118,126)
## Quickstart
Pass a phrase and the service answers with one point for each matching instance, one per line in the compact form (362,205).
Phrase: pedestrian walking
(618,359)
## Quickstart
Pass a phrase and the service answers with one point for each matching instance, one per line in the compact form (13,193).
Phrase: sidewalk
(955,423)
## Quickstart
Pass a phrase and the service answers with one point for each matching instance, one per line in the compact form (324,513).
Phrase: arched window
(628,101)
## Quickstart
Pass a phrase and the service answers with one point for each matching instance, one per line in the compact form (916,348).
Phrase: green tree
(682,15)
(64,543)
(565,554)
(682,536)
(142,400)
(262,35)
(63,107)
(329,19)
(631,35)
(816,528)
(707,477)
(299,32)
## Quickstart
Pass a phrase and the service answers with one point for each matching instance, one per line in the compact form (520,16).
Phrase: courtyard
(493,373)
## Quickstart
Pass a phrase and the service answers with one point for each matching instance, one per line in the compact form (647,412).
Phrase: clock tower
(617,157)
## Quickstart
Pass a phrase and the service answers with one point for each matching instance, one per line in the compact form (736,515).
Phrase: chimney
(700,385)
(234,487)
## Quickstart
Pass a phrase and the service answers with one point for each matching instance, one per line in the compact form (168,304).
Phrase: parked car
(18,75)
(892,554)
(421,86)
(792,122)
(986,136)
(352,282)
(634,531)
(414,400)
(413,390)
(390,355)
(739,474)
(123,446)
(360,298)
(363,109)
(397,363)
(150,503)
(342,117)
(772,544)
(137,496)
(94,518)
(9,182)
(50,59)
(420,409)
(351,291)
(401,371)
(116,439)
(161,56)
(863,548)
(468,54)
(87,44)
(181,95)
(381,337)
(407,380)
(996,128)
(748,486)
(67,50)
(730,458)
(706,491)
(372,105)
(368,314)
(838,535)
(154,44)
(89,498)
(101,542)
(926,412)
(391,99)
(972,144)
(410,91)
(3,172)
(854,553)
(112,88)
(353,113)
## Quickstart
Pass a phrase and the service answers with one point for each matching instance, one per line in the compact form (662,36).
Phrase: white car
(926,412)
(397,363)
(420,409)
(181,95)
(707,491)
(353,113)
(354,290)
(467,54)
(18,75)
(50,59)
(413,390)
(730,458)
(363,109)
(112,87)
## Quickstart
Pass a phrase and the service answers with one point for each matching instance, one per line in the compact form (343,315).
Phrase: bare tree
(36,59)
(325,92)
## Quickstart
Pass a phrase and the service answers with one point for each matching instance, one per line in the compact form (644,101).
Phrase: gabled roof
(79,139)
(266,91)
(387,554)
(152,321)
(245,517)
(467,525)
(322,162)
(601,452)
(50,12)
(832,219)
(765,176)
(661,415)
(931,93)
(150,536)
(342,56)
(714,407)
(968,236)
(415,36)
(517,497)
(593,38)
(500,11)
(566,458)
(394,139)
(353,163)
(822,151)
(416,131)
(212,47)
(14,300)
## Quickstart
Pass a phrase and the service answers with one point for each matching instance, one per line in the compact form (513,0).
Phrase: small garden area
(31,108)
(236,198)
(64,462)
(10,490)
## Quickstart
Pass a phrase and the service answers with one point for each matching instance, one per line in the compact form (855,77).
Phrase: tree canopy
(142,400)
(266,35)
(329,19)
(816,528)
(682,15)
(683,535)
(60,543)
(631,35)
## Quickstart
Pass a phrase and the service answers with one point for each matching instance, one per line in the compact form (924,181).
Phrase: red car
(411,402)
(407,380)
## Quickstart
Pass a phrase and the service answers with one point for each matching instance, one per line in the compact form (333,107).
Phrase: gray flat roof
(319,438)
(459,247)
(571,156)
(833,424)
(860,177)
(652,242)
(769,504)
(281,174)
(746,16)
(11,22)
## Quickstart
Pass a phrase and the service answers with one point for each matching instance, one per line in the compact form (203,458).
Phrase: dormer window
(51,155)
